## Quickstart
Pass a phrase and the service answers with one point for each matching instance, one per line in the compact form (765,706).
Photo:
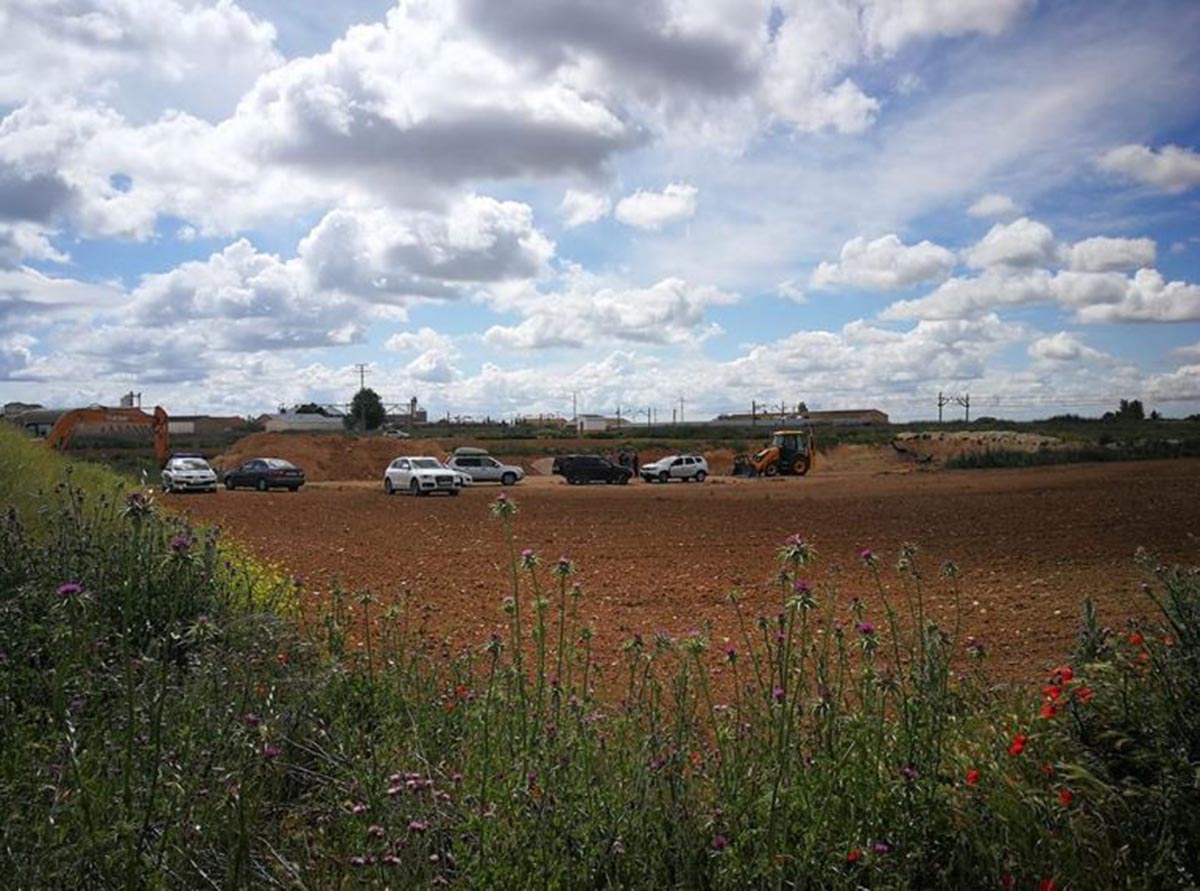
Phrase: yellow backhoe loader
(791,452)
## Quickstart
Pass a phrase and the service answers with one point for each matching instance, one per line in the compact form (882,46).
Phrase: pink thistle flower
(70,589)
(270,752)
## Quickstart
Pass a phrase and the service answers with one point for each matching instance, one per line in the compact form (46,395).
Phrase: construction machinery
(791,452)
(112,420)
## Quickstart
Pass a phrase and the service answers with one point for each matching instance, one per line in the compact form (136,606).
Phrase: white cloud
(1102,254)
(1149,298)
(433,366)
(994,206)
(1062,347)
(653,210)
(889,24)
(423,340)
(588,310)
(580,208)
(885,264)
(26,241)
(1172,168)
(1022,243)
(791,290)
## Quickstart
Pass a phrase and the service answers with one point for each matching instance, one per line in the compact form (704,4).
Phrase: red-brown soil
(1031,544)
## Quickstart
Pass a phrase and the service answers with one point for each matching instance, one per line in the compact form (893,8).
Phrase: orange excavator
(790,452)
(112,420)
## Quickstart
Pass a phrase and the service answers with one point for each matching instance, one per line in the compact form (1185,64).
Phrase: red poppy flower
(1048,711)
(1047,885)
(1048,769)
(1065,797)
(972,777)
(1017,746)
(1084,694)
(1007,880)
(1066,674)
(1051,693)
(1168,640)
(854,856)
(1136,639)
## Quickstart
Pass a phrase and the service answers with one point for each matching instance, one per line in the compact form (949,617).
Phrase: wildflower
(1048,769)
(1048,711)
(563,567)
(1007,880)
(417,826)
(1136,639)
(975,648)
(375,830)
(358,861)
(509,605)
(503,506)
(1065,675)
(182,543)
(777,694)
(950,568)
(1065,797)
(909,772)
(532,778)
(797,551)
(1017,746)
(854,856)
(882,847)
(270,752)
(138,504)
(972,777)
(866,629)
(731,654)
(70,589)
(868,557)
(529,559)
(1051,693)
(1168,640)
(719,842)
(250,719)
(1047,885)
(359,808)
(1084,695)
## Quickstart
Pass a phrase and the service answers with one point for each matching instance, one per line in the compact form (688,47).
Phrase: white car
(421,475)
(675,467)
(188,473)
(483,468)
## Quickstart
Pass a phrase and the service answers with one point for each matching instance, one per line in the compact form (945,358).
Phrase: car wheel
(293,488)
(623,481)
(388,488)
(453,493)
(701,476)
(414,488)
(663,477)
(229,484)
(508,479)
(261,485)
(166,487)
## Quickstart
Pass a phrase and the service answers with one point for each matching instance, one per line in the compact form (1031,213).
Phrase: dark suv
(578,469)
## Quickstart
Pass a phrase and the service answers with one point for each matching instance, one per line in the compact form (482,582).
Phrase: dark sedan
(265,473)
(577,469)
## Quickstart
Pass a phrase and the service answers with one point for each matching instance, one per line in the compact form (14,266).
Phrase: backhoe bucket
(742,466)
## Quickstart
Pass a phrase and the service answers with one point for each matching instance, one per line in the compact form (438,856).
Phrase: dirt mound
(846,458)
(327,457)
(940,445)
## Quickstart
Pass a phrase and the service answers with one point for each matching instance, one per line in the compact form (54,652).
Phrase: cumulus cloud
(1021,243)
(885,264)
(1149,298)
(422,340)
(994,206)
(140,56)
(1062,347)
(588,310)
(1172,168)
(580,208)
(1101,254)
(653,210)
(24,241)
(889,25)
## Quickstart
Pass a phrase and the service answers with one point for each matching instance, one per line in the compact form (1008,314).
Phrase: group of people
(626,458)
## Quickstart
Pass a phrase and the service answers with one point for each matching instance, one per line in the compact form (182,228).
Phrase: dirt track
(1030,543)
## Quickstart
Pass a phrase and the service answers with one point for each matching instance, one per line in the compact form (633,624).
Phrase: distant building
(36,421)
(203,425)
(297,422)
(859,417)
(598,423)
(12,409)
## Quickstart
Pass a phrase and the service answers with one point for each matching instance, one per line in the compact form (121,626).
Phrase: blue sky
(850,203)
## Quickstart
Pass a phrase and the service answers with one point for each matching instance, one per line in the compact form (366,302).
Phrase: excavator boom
(65,428)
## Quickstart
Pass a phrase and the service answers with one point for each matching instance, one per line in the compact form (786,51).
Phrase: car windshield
(279,464)
(190,464)
(426,463)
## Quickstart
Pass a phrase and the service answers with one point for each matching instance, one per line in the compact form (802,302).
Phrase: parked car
(264,474)
(483,468)
(421,475)
(394,433)
(577,469)
(188,473)
(675,467)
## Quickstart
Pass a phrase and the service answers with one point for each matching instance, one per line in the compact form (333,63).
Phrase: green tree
(1131,410)
(366,410)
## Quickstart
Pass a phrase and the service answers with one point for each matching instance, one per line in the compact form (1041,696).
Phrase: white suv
(483,468)
(422,475)
(188,473)
(675,467)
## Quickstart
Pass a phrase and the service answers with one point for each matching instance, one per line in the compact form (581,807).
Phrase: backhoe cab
(791,452)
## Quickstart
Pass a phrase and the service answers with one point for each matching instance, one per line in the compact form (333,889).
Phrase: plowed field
(1030,544)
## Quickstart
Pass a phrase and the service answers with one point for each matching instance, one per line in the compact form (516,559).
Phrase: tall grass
(161,724)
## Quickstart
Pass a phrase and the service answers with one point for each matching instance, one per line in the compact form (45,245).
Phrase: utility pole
(942,400)
(680,409)
(753,413)
(575,408)
(361,368)
(618,417)
(965,402)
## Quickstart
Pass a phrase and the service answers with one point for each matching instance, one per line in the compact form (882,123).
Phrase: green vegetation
(1140,450)
(168,718)
(366,411)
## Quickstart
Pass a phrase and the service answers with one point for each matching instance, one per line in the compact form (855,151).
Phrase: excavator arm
(65,428)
